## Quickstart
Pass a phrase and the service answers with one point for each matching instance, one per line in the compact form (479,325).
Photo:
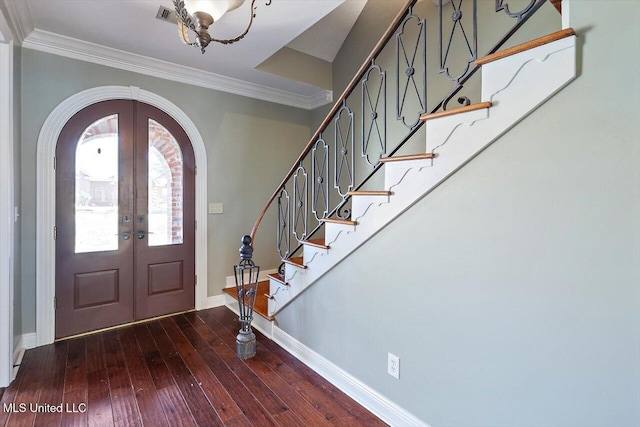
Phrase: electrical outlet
(393,366)
(215,208)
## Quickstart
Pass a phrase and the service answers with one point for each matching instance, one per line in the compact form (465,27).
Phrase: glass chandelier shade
(215,8)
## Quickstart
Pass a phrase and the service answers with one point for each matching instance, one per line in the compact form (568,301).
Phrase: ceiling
(126,34)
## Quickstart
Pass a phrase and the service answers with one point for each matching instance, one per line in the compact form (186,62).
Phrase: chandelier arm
(246,30)
(183,15)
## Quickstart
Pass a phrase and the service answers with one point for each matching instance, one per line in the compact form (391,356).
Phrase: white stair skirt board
(259,322)
(388,411)
(516,85)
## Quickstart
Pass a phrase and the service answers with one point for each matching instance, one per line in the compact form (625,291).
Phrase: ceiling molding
(56,44)
(6,35)
(323,97)
(19,19)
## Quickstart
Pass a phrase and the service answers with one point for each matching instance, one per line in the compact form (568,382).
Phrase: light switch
(215,208)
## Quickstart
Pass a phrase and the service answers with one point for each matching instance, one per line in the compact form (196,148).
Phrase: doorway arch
(46,194)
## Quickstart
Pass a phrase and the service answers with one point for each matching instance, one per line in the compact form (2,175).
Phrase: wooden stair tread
(316,243)
(453,111)
(422,156)
(261,305)
(339,221)
(369,193)
(295,261)
(558,35)
(278,278)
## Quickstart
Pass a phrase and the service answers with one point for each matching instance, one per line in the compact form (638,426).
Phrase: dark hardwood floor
(179,370)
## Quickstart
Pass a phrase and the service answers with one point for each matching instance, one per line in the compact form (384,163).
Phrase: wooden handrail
(350,87)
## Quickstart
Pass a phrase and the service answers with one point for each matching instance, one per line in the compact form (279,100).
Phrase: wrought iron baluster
(371,111)
(283,240)
(343,152)
(320,179)
(300,203)
(458,32)
(419,94)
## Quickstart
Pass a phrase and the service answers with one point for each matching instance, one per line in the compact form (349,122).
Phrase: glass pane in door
(165,196)
(96,189)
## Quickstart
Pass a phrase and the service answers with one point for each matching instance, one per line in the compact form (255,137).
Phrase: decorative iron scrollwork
(300,203)
(502,5)
(320,179)
(343,153)
(283,240)
(408,68)
(374,114)
(458,32)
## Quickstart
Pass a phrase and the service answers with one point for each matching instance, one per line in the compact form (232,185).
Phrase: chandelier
(207,12)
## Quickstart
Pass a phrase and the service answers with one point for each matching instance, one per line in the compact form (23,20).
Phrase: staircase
(514,82)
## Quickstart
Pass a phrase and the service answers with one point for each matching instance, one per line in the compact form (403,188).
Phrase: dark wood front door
(125,217)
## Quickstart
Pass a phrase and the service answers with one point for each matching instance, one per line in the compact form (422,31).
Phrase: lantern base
(246,344)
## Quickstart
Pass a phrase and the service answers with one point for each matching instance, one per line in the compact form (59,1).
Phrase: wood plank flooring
(181,371)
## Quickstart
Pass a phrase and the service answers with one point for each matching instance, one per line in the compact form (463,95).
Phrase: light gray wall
(250,144)
(511,293)
(17,264)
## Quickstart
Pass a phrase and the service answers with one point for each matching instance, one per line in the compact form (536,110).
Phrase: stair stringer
(516,86)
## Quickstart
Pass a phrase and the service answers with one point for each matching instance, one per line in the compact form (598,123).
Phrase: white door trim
(7,218)
(46,191)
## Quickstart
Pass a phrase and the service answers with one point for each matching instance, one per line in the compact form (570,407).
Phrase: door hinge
(55,162)
(196,280)
(55,233)
(195,170)
(55,303)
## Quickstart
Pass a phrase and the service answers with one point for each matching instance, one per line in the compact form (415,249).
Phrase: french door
(125,217)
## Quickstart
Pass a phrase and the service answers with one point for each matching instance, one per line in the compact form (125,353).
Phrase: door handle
(141,234)
(125,235)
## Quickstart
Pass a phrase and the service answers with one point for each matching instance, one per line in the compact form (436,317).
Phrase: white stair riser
(361,204)
(532,67)
(310,252)
(394,172)
(333,231)
(440,130)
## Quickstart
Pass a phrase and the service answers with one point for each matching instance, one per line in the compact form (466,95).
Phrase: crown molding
(19,19)
(6,35)
(56,44)
(323,97)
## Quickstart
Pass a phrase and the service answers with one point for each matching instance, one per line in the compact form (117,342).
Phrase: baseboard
(18,352)
(378,404)
(22,343)
(29,340)
(214,301)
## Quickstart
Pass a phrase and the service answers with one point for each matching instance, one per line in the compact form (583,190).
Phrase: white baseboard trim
(17,349)
(213,301)
(369,398)
(22,343)
(29,340)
